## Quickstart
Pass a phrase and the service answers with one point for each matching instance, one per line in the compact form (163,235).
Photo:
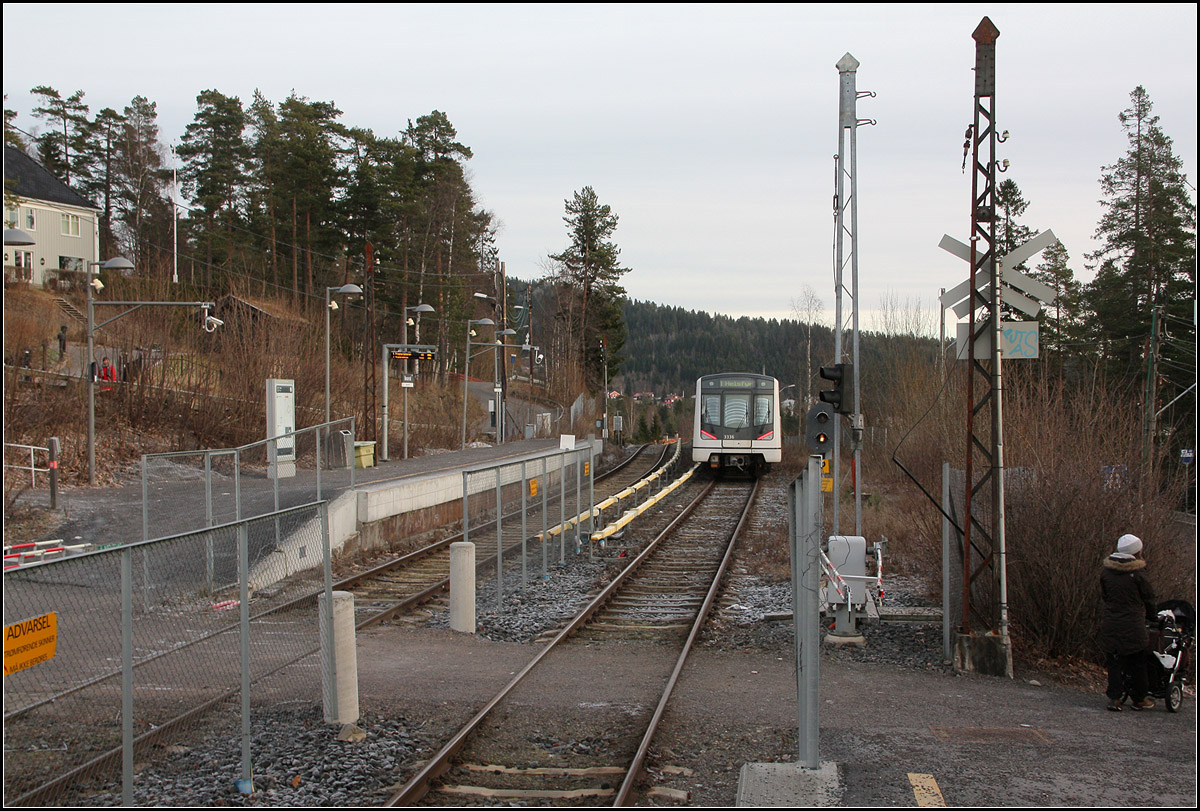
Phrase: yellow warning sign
(532,488)
(30,642)
(826,485)
(587,468)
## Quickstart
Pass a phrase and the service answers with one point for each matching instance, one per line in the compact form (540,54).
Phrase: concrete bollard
(462,587)
(342,708)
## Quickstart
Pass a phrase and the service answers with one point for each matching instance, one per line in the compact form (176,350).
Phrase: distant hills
(669,347)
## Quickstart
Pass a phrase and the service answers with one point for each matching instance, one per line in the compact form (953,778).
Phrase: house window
(10,217)
(24,264)
(71,263)
(70,225)
(30,220)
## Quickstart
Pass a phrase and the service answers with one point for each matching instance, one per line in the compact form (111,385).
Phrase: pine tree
(142,194)
(63,148)
(590,270)
(1145,278)
(1011,206)
(1061,323)
(214,155)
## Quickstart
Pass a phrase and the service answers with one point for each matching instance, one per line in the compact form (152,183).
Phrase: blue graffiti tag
(1021,343)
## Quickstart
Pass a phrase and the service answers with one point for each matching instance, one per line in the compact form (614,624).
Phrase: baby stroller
(1168,664)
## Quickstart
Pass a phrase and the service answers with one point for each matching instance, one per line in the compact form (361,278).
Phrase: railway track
(388,590)
(665,594)
(397,586)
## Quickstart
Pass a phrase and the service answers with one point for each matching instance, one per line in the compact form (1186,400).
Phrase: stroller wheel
(1174,696)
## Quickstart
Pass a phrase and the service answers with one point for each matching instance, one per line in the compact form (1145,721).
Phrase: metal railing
(104,675)
(244,481)
(558,475)
(51,467)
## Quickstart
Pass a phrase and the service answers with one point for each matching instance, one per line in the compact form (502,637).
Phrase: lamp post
(116,263)
(346,289)
(498,388)
(483,322)
(94,286)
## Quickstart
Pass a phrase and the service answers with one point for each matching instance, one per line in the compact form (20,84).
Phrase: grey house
(63,224)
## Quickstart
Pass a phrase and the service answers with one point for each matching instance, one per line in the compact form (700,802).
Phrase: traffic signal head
(820,429)
(840,397)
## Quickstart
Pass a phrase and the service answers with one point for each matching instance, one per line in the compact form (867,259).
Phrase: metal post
(386,374)
(327,571)
(562,510)
(91,380)
(127,677)
(946,624)
(53,465)
(545,506)
(591,494)
(145,503)
(243,534)
(209,561)
(578,498)
(466,521)
(327,289)
(499,543)
(237,484)
(805,529)
(524,530)
(466,369)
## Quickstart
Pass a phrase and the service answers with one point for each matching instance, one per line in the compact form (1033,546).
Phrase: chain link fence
(203,488)
(126,650)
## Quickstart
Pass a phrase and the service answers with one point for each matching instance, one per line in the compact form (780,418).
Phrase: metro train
(736,423)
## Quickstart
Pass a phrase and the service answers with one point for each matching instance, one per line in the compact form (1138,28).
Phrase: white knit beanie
(1129,544)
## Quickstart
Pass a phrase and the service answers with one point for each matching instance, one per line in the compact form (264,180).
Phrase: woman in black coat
(1128,603)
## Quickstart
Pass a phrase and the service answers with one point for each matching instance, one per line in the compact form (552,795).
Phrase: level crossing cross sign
(1019,339)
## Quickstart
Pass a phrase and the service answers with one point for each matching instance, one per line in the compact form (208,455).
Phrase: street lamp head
(483,296)
(117,263)
(15,236)
(484,322)
(507,332)
(422,308)
(348,290)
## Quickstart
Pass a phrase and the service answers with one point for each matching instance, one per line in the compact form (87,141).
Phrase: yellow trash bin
(364,454)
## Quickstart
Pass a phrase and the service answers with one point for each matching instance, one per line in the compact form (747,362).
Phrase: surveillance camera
(211,323)
(97,284)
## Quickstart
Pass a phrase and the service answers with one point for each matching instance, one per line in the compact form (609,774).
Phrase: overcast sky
(710,130)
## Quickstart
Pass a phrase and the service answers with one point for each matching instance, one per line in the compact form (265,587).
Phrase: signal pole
(847,170)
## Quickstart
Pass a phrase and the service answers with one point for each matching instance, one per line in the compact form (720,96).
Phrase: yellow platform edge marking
(926,791)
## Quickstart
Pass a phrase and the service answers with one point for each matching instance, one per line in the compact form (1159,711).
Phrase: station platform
(102,515)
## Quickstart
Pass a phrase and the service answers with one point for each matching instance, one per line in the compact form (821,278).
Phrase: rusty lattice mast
(984,599)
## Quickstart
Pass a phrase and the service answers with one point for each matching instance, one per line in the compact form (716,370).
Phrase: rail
(419,784)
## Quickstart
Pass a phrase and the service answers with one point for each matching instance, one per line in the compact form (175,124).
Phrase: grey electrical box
(848,554)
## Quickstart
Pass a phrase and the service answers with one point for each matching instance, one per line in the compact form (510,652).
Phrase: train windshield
(733,404)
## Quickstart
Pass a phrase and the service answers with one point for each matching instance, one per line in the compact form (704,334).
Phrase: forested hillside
(669,347)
